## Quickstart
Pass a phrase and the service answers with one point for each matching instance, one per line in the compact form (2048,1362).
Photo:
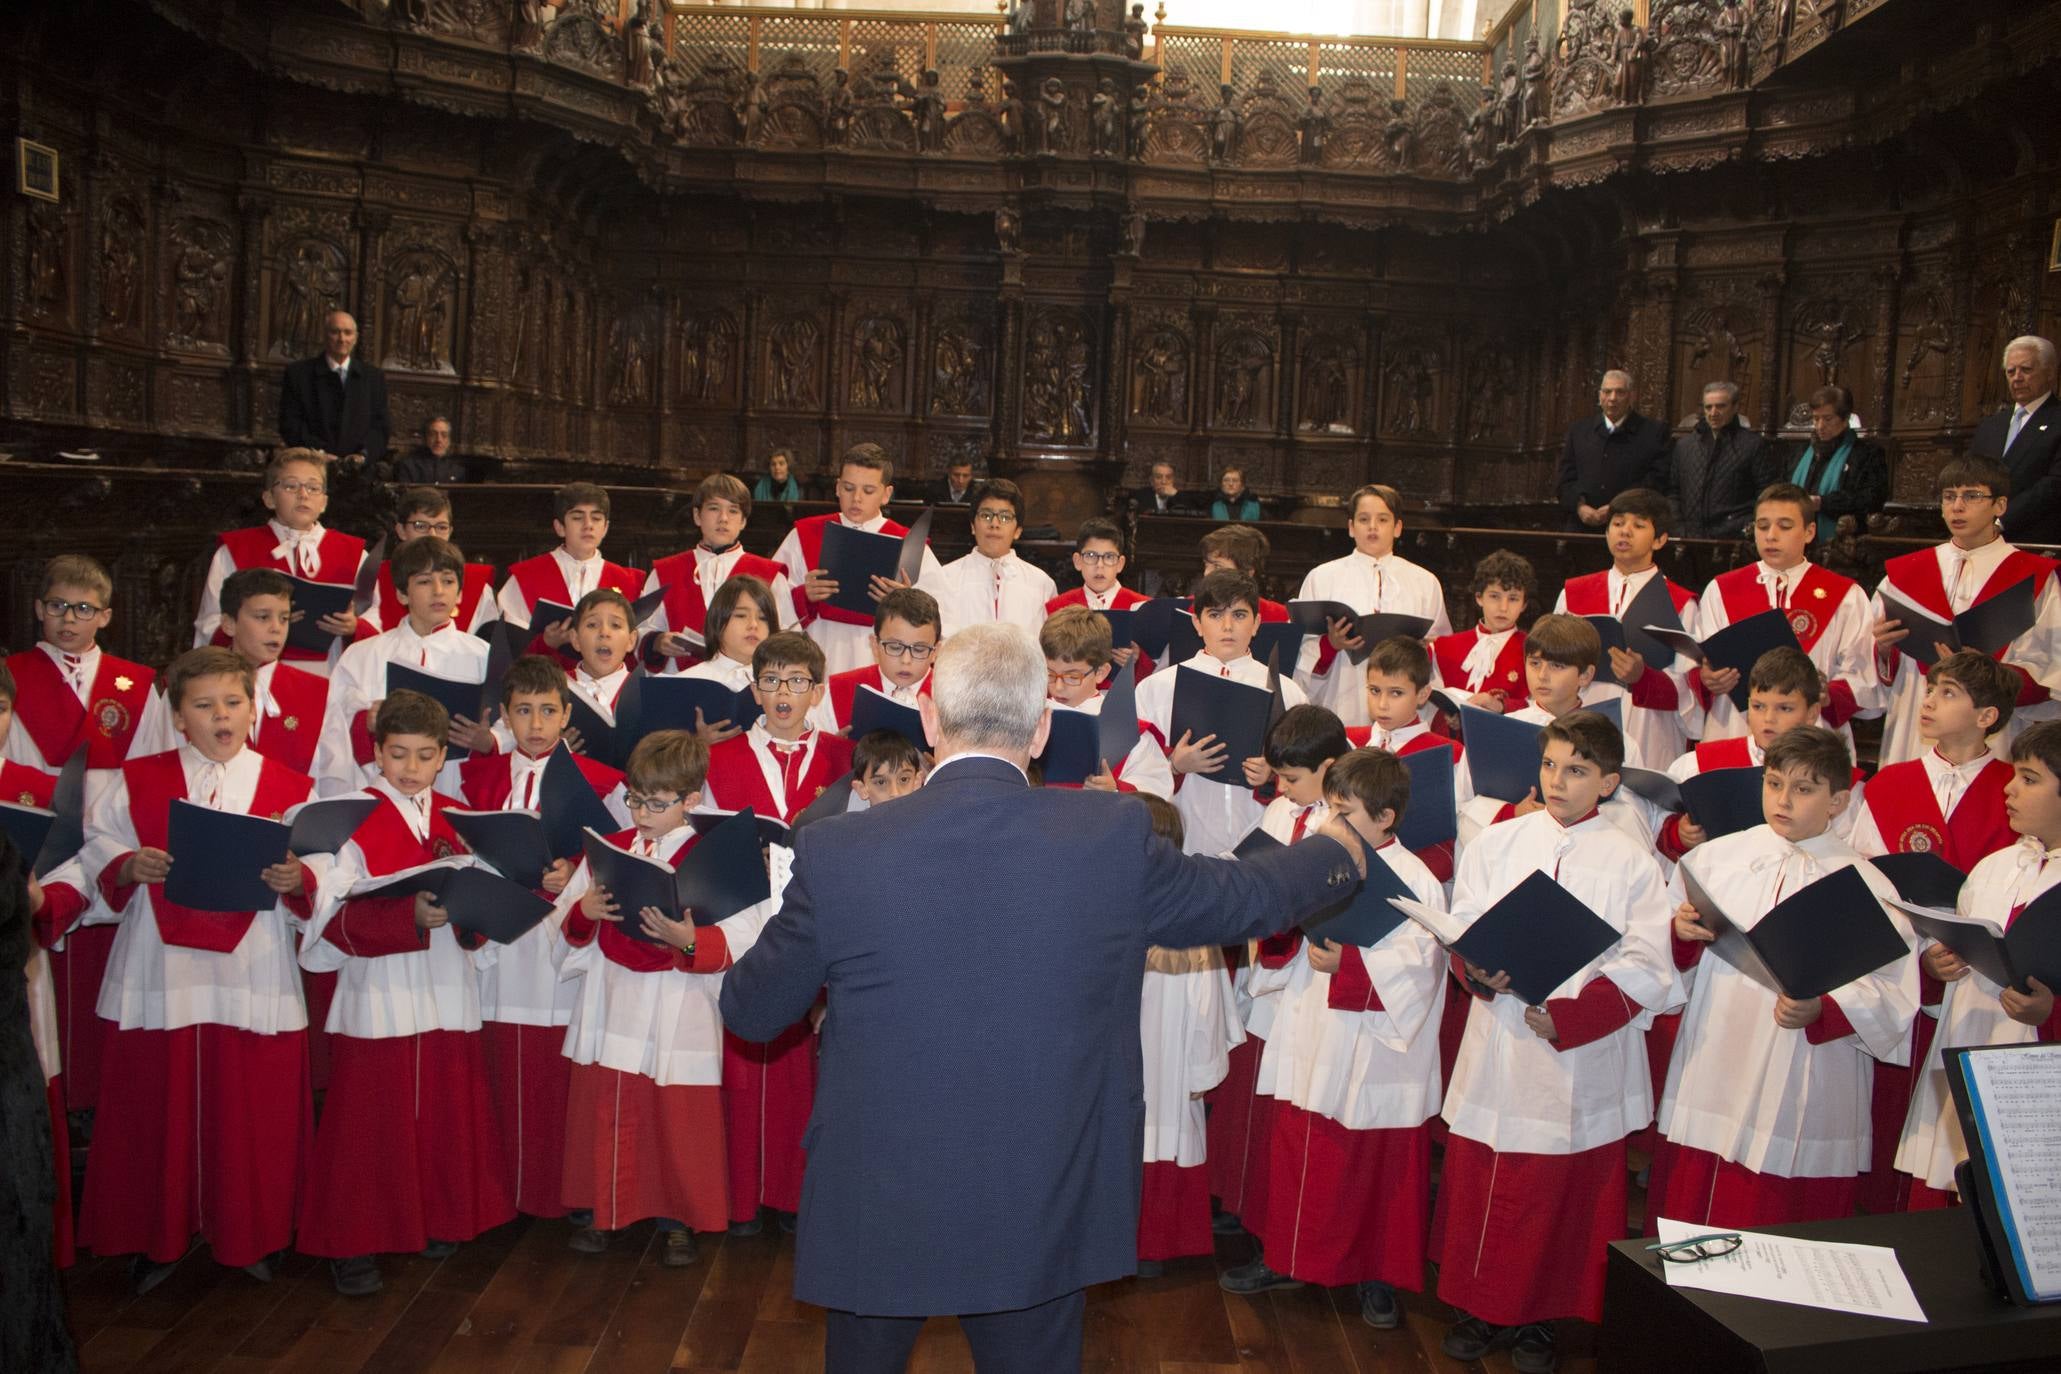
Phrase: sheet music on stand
(2008,1098)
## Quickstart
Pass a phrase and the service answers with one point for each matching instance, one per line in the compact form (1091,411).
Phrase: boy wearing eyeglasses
(427,511)
(1076,645)
(991,583)
(906,630)
(294,542)
(1098,555)
(644,1124)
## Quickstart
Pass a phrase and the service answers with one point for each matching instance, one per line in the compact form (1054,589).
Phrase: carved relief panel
(198,261)
(1718,339)
(1925,386)
(421,309)
(122,239)
(961,363)
(49,286)
(307,274)
(1161,358)
(1328,382)
(876,372)
(1247,352)
(1829,345)
(1059,371)
(1414,382)
(707,356)
(791,361)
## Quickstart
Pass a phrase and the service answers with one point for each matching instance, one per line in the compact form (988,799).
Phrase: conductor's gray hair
(2032,343)
(989,687)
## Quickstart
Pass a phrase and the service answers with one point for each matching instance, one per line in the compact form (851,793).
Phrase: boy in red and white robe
(776,768)
(1660,711)
(645,1135)
(205,1125)
(865,483)
(1353,1071)
(1188,1026)
(1973,1010)
(1543,1099)
(1076,645)
(407,1157)
(68,693)
(675,631)
(992,584)
(1399,676)
(906,628)
(524,1003)
(1370,579)
(294,541)
(427,511)
(1765,1120)
(1828,613)
(1485,665)
(1974,565)
(1098,555)
(568,572)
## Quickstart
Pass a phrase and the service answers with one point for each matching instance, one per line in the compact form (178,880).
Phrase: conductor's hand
(1338,830)
(146,866)
(284,877)
(428,915)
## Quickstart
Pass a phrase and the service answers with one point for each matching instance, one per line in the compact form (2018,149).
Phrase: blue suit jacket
(980,1113)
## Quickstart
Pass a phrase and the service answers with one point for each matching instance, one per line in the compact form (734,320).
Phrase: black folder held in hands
(325,826)
(1922,878)
(46,837)
(771,829)
(27,826)
(2001,949)
(311,602)
(1820,937)
(610,741)
(1430,818)
(1502,754)
(669,703)
(853,558)
(873,710)
(1538,932)
(1987,626)
(722,875)
(568,807)
(1236,714)
(1256,841)
(219,857)
(1736,646)
(477,900)
(1725,801)
(1073,748)
(1145,624)
(512,843)
(1652,606)
(1368,916)
(457,698)
(1313,618)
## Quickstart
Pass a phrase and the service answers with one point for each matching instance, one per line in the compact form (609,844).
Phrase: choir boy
(257,608)
(1187,1028)
(1301,747)
(1215,815)
(1398,685)
(568,572)
(1373,577)
(1485,665)
(776,768)
(1784,692)
(906,624)
(1077,659)
(992,583)
(865,484)
(431,573)
(1542,1099)
(1828,613)
(644,1119)
(1974,1010)
(293,541)
(1353,1071)
(407,1157)
(524,1006)
(427,511)
(1242,549)
(1765,1117)
(1975,564)
(1098,556)
(885,765)
(1660,711)
(741,614)
(604,636)
(691,579)
(69,692)
(204,1126)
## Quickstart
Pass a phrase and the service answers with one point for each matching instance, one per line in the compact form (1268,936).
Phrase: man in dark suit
(1165,497)
(1612,451)
(1715,470)
(334,402)
(978,1134)
(957,488)
(2026,439)
(431,464)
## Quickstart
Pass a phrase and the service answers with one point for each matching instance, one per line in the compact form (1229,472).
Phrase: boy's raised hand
(1497,982)
(428,914)
(1343,636)
(1887,633)
(1530,804)
(673,645)
(1690,833)
(1718,681)
(1119,657)
(284,877)
(597,905)
(881,586)
(146,866)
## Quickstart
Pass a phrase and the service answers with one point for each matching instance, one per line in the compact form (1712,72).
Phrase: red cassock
(290,737)
(1917,577)
(26,786)
(46,707)
(1813,602)
(204,1129)
(1511,1231)
(337,558)
(1124,599)
(1590,595)
(1173,1211)
(541,579)
(1436,857)
(407,1150)
(486,779)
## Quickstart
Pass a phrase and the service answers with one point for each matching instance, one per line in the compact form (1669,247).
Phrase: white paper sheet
(1864,1279)
(2015,1092)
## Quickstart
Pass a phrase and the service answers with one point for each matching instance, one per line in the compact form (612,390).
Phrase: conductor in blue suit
(978,1134)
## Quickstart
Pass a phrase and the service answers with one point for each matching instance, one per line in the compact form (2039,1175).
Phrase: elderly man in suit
(2026,439)
(979,1114)
(334,402)
(1611,451)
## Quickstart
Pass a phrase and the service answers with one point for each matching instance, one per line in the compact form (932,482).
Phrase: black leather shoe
(265,1268)
(1226,1224)
(1254,1277)
(1470,1338)
(789,1222)
(589,1241)
(1378,1307)
(581,1216)
(1533,1352)
(747,1228)
(680,1250)
(145,1274)
(440,1249)
(356,1277)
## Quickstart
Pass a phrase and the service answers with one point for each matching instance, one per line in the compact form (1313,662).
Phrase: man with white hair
(2026,439)
(1716,469)
(335,401)
(978,1130)
(1612,451)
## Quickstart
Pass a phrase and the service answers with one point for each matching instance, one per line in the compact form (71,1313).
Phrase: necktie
(650,848)
(1302,821)
(2018,419)
(998,589)
(1224,671)
(342,375)
(1387,742)
(529,790)
(1954,588)
(1624,592)
(75,672)
(790,756)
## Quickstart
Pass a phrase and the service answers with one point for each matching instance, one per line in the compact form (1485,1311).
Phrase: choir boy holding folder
(907,626)
(741,615)
(431,572)
(1398,678)
(580,512)
(2009,886)
(1077,657)
(1098,555)
(203,1127)
(1352,1074)
(407,1157)
(678,626)
(1372,579)
(1765,1119)
(644,1117)
(1660,711)
(1544,1096)
(604,636)
(1976,591)
(1485,665)
(426,511)
(295,542)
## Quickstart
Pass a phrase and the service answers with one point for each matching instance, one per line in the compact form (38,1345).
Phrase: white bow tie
(300,549)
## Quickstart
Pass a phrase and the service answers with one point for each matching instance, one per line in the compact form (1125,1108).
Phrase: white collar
(1401,735)
(870,526)
(1379,562)
(1101,601)
(1210,663)
(195,763)
(564,555)
(89,660)
(414,810)
(334,366)
(763,740)
(287,535)
(411,635)
(978,754)
(1936,767)
(1637,579)
(2032,406)
(601,688)
(666,845)
(1763,571)
(1005,562)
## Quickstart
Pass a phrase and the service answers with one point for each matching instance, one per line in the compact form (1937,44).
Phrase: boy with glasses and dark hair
(991,583)
(293,541)
(906,631)
(427,511)
(1098,555)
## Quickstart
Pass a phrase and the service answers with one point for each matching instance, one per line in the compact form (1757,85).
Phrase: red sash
(337,555)
(158,780)
(489,779)
(685,609)
(1125,599)
(1506,677)
(541,579)
(46,706)
(734,775)
(478,582)
(1812,604)
(390,846)
(290,737)
(1589,594)
(808,531)
(1917,577)
(1906,813)
(26,786)
(1713,754)
(844,690)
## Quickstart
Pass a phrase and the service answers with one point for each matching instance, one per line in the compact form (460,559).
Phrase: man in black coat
(432,464)
(1165,497)
(2026,439)
(334,402)
(1612,451)
(977,1141)
(1716,470)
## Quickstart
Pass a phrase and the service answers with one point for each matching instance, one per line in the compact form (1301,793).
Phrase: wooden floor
(519,1300)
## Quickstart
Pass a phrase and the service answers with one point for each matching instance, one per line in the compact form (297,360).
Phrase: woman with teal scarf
(778,483)
(1844,473)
